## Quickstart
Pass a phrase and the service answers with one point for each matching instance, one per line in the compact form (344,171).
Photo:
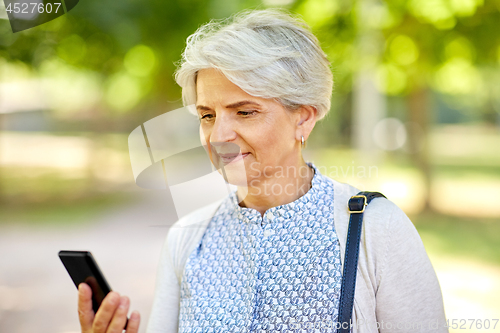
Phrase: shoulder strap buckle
(357,204)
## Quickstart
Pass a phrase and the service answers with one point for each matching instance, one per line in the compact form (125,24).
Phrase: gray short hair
(267,53)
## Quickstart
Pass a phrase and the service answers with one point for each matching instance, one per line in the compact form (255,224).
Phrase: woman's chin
(234,173)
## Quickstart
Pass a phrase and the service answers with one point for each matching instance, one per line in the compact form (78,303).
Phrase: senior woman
(269,256)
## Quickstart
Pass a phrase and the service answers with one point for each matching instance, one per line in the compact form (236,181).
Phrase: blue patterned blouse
(280,272)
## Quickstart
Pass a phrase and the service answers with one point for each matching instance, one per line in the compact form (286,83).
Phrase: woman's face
(233,121)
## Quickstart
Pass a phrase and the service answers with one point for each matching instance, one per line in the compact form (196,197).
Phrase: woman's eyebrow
(202,107)
(242,103)
(229,106)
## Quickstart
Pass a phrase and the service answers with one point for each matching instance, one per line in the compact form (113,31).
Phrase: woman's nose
(223,130)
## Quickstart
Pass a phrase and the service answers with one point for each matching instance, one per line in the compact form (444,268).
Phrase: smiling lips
(228,158)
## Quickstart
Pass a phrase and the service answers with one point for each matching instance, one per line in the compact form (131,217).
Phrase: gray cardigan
(396,289)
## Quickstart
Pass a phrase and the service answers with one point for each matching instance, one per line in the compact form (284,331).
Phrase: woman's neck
(276,191)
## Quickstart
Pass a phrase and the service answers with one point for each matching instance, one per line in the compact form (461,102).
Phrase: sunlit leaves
(318,12)
(391,79)
(376,15)
(72,49)
(442,13)
(136,43)
(140,60)
(437,12)
(272,3)
(458,76)
(459,47)
(100,49)
(403,50)
(465,7)
(124,91)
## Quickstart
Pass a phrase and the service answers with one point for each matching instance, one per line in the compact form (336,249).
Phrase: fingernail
(123,302)
(134,315)
(114,298)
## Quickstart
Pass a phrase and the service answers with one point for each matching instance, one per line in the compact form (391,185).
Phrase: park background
(416,101)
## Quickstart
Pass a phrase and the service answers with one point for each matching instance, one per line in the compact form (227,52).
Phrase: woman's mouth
(229,158)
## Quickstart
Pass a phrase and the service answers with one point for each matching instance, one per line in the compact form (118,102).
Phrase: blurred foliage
(63,209)
(444,44)
(124,53)
(411,48)
(472,238)
(450,47)
(57,193)
(120,53)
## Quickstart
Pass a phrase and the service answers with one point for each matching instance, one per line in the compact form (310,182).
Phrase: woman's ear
(306,121)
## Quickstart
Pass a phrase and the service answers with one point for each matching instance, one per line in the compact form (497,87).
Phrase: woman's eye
(246,113)
(206,116)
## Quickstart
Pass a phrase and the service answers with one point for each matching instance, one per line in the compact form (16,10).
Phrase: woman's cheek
(203,139)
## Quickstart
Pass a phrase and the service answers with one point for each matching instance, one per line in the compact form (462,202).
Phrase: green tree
(448,46)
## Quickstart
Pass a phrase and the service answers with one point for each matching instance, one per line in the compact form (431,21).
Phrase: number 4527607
(463,324)
(32,7)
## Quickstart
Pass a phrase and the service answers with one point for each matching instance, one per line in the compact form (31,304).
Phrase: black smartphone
(82,267)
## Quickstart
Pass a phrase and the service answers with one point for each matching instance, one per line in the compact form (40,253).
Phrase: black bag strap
(357,205)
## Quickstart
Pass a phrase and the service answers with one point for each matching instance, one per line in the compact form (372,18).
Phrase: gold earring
(303,142)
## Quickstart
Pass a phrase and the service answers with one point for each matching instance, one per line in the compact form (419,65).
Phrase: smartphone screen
(82,267)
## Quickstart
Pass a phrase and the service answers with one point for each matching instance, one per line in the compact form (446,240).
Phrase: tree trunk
(368,109)
(418,131)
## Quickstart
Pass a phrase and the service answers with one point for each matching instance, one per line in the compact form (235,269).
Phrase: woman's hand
(111,316)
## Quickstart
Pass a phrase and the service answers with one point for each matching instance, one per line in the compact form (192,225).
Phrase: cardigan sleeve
(408,295)
(165,310)
(181,240)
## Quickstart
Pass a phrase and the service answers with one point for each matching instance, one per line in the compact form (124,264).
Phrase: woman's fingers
(85,311)
(111,316)
(120,316)
(106,311)
(133,322)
